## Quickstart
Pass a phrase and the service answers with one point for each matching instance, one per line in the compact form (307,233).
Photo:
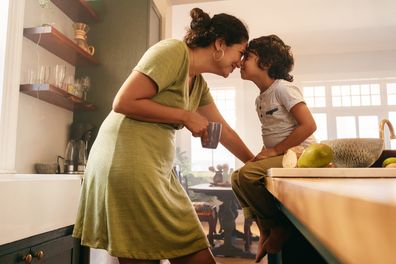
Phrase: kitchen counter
(32,204)
(354,219)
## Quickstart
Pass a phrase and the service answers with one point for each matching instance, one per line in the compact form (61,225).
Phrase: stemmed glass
(85,85)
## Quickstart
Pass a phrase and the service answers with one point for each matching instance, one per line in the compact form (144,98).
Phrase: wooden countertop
(355,219)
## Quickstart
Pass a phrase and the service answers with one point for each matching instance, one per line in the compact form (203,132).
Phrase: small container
(46,168)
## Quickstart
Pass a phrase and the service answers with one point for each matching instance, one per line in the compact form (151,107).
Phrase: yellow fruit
(316,156)
(392,165)
(388,161)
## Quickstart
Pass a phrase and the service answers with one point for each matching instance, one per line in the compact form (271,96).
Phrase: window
(321,124)
(315,96)
(391,92)
(351,108)
(392,119)
(202,158)
(356,95)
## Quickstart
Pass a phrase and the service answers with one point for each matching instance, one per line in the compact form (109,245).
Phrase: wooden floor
(239,243)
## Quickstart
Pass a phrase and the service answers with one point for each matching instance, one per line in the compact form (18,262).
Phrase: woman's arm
(229,138)
(305,127)
(134,100)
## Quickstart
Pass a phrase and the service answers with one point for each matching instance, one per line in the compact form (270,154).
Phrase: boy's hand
(265,153)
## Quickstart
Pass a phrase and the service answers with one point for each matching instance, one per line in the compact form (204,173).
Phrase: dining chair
(205,211)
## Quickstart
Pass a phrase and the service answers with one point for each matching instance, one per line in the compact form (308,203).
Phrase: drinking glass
(85,85)
(32,76)
(44,74)
(60,73)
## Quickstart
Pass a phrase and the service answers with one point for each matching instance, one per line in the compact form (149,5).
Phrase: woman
(132,204)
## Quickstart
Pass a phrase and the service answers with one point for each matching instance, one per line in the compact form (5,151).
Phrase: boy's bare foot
(276,239)
(261,252)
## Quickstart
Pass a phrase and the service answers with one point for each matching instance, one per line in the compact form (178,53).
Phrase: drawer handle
(28,258)
(39,255)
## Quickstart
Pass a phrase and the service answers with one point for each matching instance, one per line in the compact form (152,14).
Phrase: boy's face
(249,66)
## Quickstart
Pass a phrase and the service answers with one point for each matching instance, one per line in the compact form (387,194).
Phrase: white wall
(166,12)
(42,127)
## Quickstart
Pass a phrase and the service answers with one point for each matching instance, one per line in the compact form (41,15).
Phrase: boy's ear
(265,66)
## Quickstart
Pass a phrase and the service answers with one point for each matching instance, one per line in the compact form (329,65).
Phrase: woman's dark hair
(204,30)
(272,52)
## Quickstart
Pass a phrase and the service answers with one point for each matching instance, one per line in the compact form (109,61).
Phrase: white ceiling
(309,26)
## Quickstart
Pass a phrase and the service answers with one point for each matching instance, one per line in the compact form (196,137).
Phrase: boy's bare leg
(261,251)
(203,256)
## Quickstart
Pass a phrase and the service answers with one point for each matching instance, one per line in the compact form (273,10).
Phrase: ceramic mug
(214,133)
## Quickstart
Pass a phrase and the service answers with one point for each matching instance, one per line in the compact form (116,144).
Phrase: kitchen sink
(384,155)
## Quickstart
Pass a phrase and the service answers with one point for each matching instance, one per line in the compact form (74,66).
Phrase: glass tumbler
(60,73)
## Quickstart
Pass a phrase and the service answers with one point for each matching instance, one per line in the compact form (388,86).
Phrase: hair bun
(199,19)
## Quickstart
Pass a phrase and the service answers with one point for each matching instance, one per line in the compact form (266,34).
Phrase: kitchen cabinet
(54,247)
(57,43)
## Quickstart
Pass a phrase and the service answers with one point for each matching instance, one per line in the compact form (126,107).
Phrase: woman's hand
(196,123)
(265,153)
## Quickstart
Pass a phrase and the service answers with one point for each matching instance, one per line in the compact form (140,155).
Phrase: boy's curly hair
(272,52)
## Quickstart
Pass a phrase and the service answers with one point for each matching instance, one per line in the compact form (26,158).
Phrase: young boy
(285,122)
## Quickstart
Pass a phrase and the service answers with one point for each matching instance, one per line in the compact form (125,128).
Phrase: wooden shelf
(77,10)
(54,41)
(56,96)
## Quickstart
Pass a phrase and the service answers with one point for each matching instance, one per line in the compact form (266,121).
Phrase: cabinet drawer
(57,251)
(54,247)
(15,257)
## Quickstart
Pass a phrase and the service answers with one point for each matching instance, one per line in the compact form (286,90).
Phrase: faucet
(382,126)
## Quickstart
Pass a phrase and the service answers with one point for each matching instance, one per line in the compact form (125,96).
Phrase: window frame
(332,112)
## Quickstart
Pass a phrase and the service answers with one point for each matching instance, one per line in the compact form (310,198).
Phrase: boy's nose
(239,64)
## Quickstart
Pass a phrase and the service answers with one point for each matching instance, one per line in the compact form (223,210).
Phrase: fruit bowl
(355,152)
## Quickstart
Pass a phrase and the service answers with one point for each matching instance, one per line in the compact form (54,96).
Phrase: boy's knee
(249,175)
(244,172)
(234,178)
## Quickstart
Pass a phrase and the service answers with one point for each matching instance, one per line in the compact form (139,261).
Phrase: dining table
(228,215)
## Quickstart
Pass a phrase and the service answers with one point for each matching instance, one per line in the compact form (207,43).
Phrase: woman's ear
(219,43)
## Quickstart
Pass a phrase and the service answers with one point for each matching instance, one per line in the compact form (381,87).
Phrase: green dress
(131,202)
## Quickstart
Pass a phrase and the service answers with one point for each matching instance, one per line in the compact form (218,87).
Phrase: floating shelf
(54,41)
(77,10)
(57,96)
